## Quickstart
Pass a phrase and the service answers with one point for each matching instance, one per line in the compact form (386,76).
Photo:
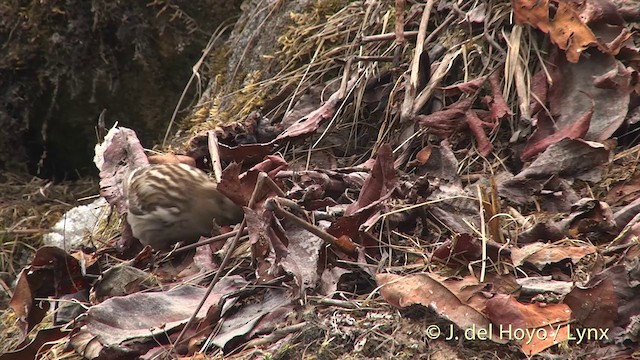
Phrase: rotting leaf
(541,255)
(566,29)
(532,12)
(475,125)
(446,121)
(539,91)
(302,259)
(271,165)
(197,148)
(121,145)
(590,216)
(601,83)
(423,289)
(465,248)
(595,304)
(306,103)
(569,32)
(380,182)
(110,325)
(455,207)
(611,299)
(311,122)
(245,152)
(239,186)
(469,87)
(546,134)
(122,280)
(536,326)
(236,187)
(330,280)
(245,320)
(497,105)
(43,340)
(567,158)
(23,304)
(53,272)
(264,242)
(624,193)
(377,188)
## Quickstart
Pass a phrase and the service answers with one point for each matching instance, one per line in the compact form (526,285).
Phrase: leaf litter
(459,175)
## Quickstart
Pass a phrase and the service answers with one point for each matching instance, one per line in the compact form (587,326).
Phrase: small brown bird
(169,203)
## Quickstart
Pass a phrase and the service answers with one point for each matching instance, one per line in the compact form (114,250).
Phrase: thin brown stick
(273,205)
(276,335)
(25,231)
(373,58)
(387,36)
(345,79)
(399,30)
(208,241)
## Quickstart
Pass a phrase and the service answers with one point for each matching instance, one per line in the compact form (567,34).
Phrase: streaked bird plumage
(169,203)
